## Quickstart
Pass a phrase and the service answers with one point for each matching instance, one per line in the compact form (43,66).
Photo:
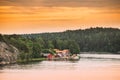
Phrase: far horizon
(56,31)
(40,32)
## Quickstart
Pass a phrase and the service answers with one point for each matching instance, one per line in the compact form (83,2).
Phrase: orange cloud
(50,17)
(11,13)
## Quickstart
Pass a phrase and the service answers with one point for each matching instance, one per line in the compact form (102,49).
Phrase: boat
(76,58)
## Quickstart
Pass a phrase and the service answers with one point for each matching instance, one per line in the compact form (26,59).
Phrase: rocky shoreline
(8,53)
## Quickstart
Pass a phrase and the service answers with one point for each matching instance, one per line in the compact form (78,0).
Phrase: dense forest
(93,39)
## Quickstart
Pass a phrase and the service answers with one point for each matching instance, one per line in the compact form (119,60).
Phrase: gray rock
(8,53)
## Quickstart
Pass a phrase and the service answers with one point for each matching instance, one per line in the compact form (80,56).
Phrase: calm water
(89,67)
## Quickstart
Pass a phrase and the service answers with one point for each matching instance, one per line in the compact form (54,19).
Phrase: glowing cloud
(67,14)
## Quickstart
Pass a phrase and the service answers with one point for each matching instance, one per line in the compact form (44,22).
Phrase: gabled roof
(62,51)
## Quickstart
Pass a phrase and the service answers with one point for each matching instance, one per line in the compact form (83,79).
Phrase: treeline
(93,39)
(31,48)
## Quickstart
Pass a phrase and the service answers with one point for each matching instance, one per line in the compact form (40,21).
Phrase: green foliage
(48,51)
(45,51)
(52,51)
(24,56)
(74,47)
(93,39)
(1,38)
(36,50)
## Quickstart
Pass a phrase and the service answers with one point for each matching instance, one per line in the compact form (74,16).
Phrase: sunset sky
(37,16)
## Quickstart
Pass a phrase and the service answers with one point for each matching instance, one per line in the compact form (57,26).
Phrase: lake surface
(89,67)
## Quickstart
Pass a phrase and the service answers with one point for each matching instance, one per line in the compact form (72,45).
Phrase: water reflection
(63,65)
(101,56)
(84,69)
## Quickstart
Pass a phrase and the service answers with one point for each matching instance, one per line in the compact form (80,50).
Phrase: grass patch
(31,60)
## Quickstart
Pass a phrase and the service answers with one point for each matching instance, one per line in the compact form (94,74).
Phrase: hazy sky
(36,16)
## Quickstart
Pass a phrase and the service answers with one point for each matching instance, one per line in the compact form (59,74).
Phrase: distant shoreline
(98,53)
(100,56)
